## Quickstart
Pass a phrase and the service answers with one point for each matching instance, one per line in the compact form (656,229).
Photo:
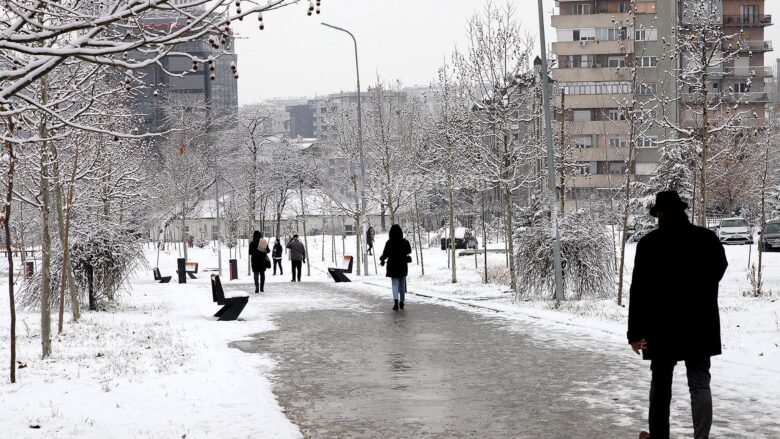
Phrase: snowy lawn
(157,366)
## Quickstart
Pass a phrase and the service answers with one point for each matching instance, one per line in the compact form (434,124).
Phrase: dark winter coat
(277,252)
(258,257)
(674,291)
(297,250)
(397,249)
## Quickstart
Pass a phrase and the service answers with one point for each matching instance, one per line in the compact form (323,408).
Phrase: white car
(734,231)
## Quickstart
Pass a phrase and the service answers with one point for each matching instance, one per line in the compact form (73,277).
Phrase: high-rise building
(597,42)
(174,77)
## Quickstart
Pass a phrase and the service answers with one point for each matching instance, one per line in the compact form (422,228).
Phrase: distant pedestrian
(370,240)
(277,256)
(258,251)
(673,311)
(297,255)
(397,254)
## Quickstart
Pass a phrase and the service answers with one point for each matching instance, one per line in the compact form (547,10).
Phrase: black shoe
(401,304)
(257,292)
(395,307)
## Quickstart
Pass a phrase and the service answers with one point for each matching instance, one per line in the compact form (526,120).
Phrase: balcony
(599,154)
(574,102)
(589,73)
(601,20)
(755,46)
(593,47)
(597,127)
(750,71)
(756,20)
(751,97)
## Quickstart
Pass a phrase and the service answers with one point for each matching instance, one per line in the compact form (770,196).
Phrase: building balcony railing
(595,20)
(751,97)
(756,46)
(593,47)
(750,71)
(747,20)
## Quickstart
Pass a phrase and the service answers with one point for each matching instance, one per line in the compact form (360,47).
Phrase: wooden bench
(160,278)
(337,273)
(191,268)
(232,303)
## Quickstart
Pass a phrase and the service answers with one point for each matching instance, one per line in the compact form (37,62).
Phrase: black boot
(395,307)
(401,304)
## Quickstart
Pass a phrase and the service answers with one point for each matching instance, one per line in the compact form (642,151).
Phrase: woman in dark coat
(258,251)
(396,253)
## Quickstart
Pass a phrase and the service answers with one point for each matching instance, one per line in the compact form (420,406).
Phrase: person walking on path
(397,254)
(258,251)
(673,310)
(277,256)
(370,240)
(297,255)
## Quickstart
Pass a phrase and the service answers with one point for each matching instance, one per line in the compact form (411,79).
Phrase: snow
(159,365)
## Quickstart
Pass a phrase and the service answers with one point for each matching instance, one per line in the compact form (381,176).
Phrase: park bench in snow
(337,273)
(232,303)
(160,278)
(191,268)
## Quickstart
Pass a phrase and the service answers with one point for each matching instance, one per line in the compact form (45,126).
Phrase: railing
(734,97)
(756,46)
(760,71)
(747,20)
(579,65)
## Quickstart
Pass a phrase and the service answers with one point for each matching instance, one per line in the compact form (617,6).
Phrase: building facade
(598,42)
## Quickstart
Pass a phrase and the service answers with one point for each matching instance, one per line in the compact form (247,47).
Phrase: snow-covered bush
(587,258)
(104,255)
(201,241)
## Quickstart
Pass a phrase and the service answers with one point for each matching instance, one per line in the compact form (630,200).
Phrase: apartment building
(596,40)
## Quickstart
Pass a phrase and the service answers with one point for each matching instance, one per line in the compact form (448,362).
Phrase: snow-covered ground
(160,366)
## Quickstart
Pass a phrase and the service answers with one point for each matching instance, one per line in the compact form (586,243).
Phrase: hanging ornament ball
(235,76)
(308,13)
(262,27)
(116,138)
(318,10)
(213,77)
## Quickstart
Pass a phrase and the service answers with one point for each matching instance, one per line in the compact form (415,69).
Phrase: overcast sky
(404,40)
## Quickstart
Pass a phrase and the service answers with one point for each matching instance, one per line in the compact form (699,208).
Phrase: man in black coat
(673,311)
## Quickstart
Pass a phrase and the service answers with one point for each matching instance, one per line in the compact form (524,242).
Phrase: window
(582,9)
(583,142)
(618,142)
(644,34)
(616,115)
(582,115)
(647,89)
(615,34)
(644,115)
(592,88)
(647,142)
(616,61)
(581,169)
(623,8)
(646,61)
(611,167)
(645,8)
(575,35)
(741,87)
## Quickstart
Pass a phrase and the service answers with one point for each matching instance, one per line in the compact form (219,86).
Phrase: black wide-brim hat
(667,201)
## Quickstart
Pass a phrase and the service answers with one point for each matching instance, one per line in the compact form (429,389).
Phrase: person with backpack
(397,254)
(277,256)
(258,251)
(297,255)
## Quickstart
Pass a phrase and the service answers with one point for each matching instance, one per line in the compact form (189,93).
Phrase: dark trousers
(698,371)
(279,263)
(296,265)
(261,284)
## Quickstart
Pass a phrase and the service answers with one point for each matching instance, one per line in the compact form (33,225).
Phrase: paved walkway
(351,367)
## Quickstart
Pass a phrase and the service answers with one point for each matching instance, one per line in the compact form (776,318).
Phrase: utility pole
(551,191)
(364,223)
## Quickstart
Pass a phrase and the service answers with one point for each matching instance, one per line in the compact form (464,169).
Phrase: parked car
(770,240)
(734,231)
(464,238)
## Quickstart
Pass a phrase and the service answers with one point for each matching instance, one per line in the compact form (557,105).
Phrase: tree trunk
(46,251)
(9,256)
(305,238)
(705,116)
(419,238)
(63,226)
(484,236)
(91,289)
(451,190)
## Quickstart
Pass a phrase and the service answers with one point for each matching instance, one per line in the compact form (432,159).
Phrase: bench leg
(222,311)
(338,275)
(234,309)
(192,276)
(165,279)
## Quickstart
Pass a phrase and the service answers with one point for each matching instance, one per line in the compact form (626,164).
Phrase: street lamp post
(360,146)
(551,192)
